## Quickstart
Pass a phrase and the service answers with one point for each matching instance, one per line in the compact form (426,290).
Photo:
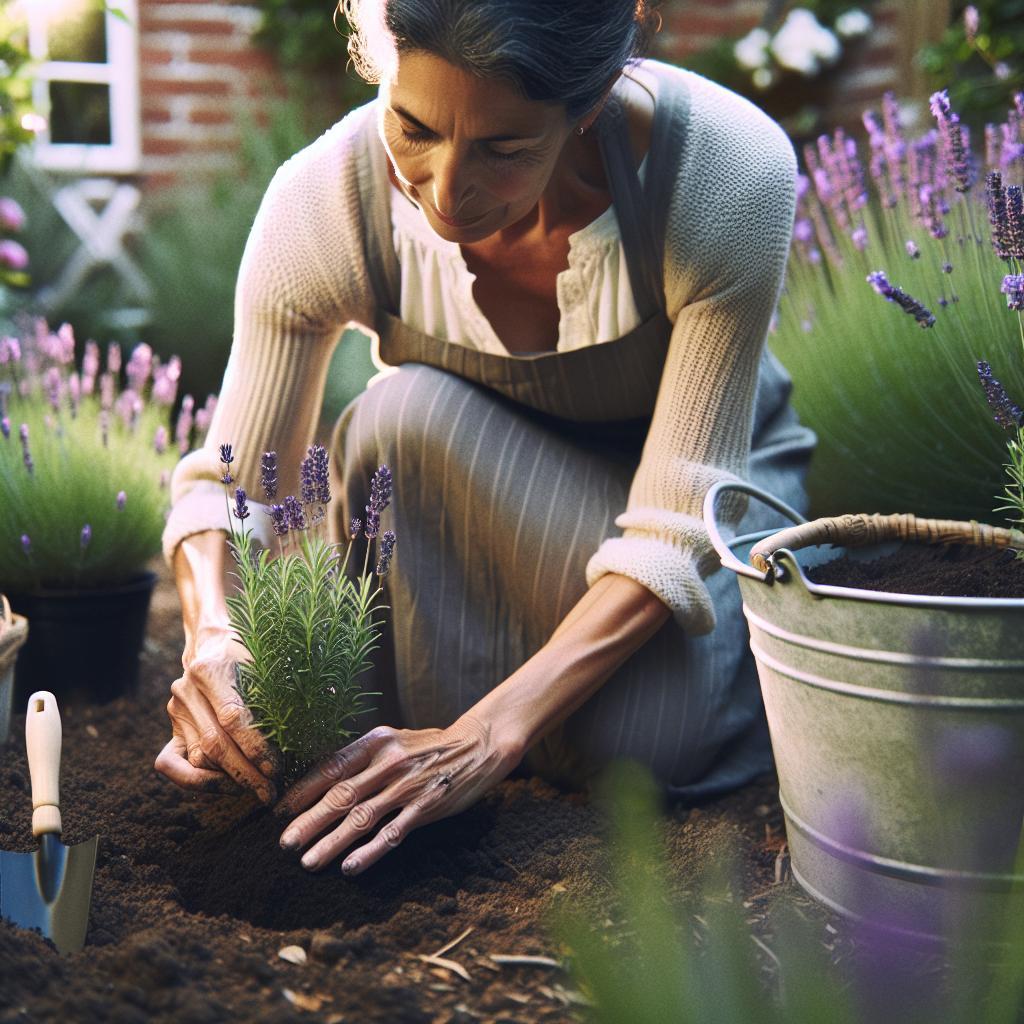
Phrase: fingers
(216,746)
(390,836)
(335,769)
(172,763)
(236,720)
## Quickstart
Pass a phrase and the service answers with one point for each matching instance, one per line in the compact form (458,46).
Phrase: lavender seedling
(308,622)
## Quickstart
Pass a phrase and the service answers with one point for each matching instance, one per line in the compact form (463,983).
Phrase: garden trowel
(51,888)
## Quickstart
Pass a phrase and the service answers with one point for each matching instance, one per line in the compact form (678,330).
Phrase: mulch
(193,901)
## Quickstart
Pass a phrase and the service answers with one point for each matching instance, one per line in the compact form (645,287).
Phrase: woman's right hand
(212,735)
(213,743)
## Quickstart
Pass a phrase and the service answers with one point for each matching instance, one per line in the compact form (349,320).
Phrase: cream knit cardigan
(303,279)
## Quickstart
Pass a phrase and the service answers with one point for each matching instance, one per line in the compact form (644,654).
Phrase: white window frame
(120,72)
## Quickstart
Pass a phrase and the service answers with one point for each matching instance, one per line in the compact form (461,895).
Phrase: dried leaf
(525,960)
(293,954)
(303,1001)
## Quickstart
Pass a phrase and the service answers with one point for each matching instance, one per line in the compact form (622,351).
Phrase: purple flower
(353,529)
(183,428)
(891,293)
(13,255)
(10,350)
(307,488)
(1006,412)
(5,428)
(86,536)
(26,544)
(912,250)
(321,473)
(268,474)
(372,522)
(1013,288)
(294,515)
(380,498)
(971,23)
(860,238)
(122,500)
(1014,221)
(165,382)
(241,509)
(12,216)
(225,454)
(26,454)
(114,358)
(139,367)
(278,519)
(387,547)
(803,230)
(996,199)
(947,268)
(160,440)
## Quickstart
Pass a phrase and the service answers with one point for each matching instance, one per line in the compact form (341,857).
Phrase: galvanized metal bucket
(897,725)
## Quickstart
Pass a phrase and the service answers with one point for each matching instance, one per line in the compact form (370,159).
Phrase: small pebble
(92,731)
(293,954)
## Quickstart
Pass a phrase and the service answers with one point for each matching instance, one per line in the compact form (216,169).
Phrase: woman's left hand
(422,774)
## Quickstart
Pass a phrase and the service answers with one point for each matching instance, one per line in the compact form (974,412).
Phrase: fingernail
(290,840)
(267,767)
(350,867)
(310,863)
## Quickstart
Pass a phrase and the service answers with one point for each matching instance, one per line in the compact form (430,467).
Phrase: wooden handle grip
(43,741)
(859,530)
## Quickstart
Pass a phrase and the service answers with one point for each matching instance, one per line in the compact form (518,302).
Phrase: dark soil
(193,900)
(943,570)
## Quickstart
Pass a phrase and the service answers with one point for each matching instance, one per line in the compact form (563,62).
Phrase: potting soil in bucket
(897,725)
(83,645)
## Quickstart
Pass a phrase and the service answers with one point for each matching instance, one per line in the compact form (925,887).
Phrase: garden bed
(193,900)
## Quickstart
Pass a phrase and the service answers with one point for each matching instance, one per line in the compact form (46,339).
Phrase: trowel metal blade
(50,889)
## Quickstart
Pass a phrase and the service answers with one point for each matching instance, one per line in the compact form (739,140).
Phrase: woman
(571,257)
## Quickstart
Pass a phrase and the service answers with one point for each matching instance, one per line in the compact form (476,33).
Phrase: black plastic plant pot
(83,645)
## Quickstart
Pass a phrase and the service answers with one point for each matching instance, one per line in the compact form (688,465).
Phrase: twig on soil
(534,961)
(448,965)
(780,863)
(775,960)
(453,943)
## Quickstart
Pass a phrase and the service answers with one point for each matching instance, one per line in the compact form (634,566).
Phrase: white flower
(803,44)
(751,52)
(852,23)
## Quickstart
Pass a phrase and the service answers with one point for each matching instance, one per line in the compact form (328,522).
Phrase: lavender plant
(934,229)
(308,621)
(85,459)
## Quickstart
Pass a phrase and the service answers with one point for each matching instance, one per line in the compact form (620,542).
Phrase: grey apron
(509,472)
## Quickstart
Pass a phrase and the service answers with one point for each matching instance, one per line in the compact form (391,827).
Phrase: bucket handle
(858,530)
(728,559)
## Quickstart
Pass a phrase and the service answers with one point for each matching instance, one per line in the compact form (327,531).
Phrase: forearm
(610,622)
(199,565)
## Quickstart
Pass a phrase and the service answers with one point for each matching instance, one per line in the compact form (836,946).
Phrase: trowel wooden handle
(42,740)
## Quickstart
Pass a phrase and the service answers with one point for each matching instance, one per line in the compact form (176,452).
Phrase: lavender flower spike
(278,519)
(268,474)
(380,489)
(122,500)
(953,149)
(996,198)
(26,455)
(321,473)
(307,487)
(907,303)
(1005,411)
(86,536)
(1014,221)
(226,458)
(294,515)
(387,547)
(241,509)
(1013,288)
(353,529)
(5,428)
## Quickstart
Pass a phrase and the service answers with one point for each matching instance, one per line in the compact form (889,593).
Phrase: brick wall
(198,66)
(198,69)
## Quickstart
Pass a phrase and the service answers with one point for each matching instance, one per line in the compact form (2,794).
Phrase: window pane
(80,112)
(77,31)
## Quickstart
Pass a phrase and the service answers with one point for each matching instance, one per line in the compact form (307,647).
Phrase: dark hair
(554,51)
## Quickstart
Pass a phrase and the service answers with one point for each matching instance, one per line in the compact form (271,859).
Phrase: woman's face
(472,153)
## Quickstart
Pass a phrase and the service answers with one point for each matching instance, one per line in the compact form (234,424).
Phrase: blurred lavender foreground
(902,423)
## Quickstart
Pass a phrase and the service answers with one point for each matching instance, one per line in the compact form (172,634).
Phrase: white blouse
(595,299)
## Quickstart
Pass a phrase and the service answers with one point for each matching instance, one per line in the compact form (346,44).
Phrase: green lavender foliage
(310,627)
(692,957)
(902,423)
